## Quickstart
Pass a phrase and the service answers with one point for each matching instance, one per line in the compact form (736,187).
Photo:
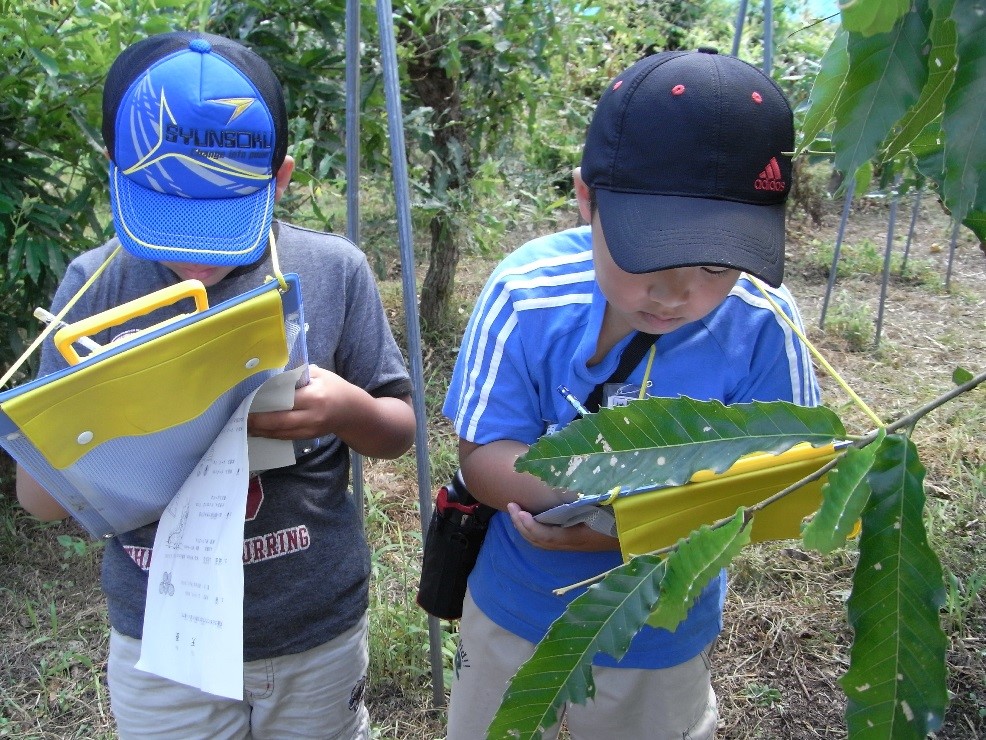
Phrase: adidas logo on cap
(672,156)
(770,177)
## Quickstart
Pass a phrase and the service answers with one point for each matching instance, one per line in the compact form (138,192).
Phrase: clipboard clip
(69,334)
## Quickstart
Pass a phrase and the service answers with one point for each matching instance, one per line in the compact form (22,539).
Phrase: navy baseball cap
(689,155)
(195,127)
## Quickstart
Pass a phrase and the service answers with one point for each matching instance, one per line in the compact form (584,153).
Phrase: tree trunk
(449,171)
(443,258)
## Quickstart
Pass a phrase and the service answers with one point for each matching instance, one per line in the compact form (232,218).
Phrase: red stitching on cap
(677,89)
(757,97)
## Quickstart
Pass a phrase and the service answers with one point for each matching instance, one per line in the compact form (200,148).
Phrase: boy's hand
(550,537)
(319,408)
(378,427)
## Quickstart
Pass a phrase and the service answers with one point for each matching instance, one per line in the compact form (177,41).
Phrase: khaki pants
(630,703)
(314,694)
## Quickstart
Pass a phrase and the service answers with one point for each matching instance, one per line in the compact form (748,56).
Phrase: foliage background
(493,148)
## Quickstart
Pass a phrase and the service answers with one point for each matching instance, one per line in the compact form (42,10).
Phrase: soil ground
(786,639)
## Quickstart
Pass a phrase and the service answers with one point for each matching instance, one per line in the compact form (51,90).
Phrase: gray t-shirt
(306,561)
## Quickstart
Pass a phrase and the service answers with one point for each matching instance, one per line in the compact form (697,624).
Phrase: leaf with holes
(896,680)
(941,73)
(698,560)
(844,495)
(664,441)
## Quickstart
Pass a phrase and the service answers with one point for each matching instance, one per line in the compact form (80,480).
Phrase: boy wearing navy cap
(684,175)
(195,129)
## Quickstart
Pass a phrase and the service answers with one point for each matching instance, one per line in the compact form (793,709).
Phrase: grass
(850,320)
(398,626)
(399,639)
(55,631)
(864,259)
(763,695)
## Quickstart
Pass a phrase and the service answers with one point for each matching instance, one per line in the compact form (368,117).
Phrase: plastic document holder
(657,519)
(113,436)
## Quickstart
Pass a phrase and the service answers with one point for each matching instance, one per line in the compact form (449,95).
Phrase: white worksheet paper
(193,619)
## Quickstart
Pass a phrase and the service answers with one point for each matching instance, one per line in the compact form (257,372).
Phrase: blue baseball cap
(689,157)
(195,128)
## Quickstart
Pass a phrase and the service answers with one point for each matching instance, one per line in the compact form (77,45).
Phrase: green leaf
(56,259)
(896,680)
(32,259)
(941,73)
(960,376)
(604,618)
(964,121)
(872,16)
(664,441)
(976,219)
(47,62)
(825,91)
(929,152)
(698,560)
(928,149)
(886,76)
(844,495)
(863,179)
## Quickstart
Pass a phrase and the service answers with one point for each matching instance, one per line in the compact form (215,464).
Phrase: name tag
(620,394)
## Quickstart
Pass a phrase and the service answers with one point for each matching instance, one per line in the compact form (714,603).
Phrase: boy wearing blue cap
(195,128)
(683,181)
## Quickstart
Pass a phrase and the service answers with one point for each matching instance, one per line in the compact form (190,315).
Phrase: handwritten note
(193,619)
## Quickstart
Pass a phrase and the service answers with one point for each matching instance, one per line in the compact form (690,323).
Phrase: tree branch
(907,422)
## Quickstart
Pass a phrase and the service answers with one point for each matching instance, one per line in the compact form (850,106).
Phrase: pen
(567,394)
(48,317)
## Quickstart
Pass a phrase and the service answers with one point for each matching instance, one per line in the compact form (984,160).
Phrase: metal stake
(398,155)
(895,199)
(352,182)
(850,188)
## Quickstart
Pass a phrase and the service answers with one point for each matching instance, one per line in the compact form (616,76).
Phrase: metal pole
(352,179)
(951,255)
(894,200)
(395,127)
(768,37)
(740,22)
(850,188)
(910,231)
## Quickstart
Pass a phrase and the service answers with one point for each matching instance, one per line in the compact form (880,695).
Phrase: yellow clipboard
(113,436)
(657,519)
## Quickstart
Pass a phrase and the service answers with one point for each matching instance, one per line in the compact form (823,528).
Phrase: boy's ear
(582,195)
(283,176)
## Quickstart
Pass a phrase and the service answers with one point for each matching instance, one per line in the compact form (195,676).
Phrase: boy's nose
(670,287)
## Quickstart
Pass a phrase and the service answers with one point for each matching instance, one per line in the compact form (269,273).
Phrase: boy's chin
(208,275)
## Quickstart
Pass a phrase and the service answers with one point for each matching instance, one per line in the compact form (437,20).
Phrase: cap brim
(646,233)
(169,228)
